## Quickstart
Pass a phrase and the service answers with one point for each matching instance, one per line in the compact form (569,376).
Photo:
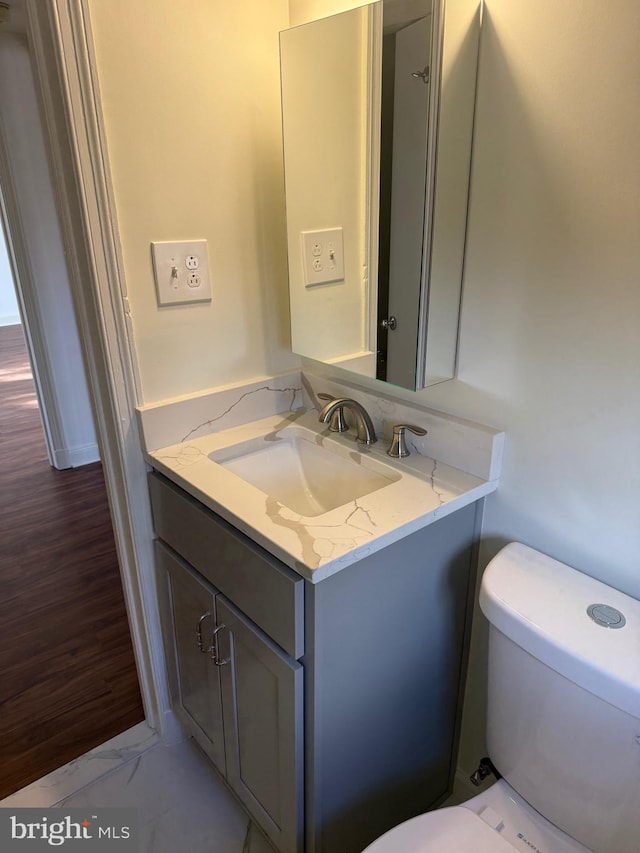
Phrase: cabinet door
(194,676)
(263,724)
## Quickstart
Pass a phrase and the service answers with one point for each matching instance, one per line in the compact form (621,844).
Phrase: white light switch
(181,271)
(322,256)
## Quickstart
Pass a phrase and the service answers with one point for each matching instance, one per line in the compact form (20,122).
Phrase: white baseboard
(75,457)
(170,728)
(10,320)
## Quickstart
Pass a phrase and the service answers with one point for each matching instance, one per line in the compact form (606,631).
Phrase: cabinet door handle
(215,649)
(199,634)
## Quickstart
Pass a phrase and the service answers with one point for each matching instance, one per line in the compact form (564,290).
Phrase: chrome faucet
(366,433)
(398,448)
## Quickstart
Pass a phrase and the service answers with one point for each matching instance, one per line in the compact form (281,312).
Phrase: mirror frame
(433,282)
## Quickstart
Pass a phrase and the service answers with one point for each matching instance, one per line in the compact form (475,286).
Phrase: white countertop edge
(325,570)
(251,518)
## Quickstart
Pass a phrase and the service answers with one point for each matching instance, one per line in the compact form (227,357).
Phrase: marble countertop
(316,547)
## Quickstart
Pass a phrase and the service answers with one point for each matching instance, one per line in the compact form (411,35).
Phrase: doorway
(68,676)
(68,679)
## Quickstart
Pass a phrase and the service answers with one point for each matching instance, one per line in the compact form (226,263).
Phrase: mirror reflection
(377,118)
(404,124)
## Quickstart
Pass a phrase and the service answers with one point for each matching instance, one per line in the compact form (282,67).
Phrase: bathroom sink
(307,476)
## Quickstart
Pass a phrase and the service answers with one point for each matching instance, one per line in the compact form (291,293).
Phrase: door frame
(63,56)
(18,254)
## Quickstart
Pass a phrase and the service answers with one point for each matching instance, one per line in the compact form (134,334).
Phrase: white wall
(550,335)
(303,11)
(75,443)
(550,326)
(9,314)
(550,347)
(191,100)
(550,340)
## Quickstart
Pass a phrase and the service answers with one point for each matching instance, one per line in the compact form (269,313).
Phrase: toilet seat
(449,830)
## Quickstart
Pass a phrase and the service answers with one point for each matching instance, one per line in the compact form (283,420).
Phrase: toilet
(563,720)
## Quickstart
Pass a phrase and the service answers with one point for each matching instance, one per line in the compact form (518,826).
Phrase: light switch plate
(181,271)
(322,256)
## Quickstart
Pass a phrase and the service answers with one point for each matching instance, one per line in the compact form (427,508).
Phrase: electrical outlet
(181,271)
(322,256)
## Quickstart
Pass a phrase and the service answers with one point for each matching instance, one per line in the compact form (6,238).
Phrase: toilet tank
(564,696)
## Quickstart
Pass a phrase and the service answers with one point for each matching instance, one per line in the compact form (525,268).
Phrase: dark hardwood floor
(67,675)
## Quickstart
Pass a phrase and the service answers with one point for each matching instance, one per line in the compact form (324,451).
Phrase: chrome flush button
(606,616)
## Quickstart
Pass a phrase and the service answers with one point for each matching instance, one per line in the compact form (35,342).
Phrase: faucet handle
(398,448)
(337,422)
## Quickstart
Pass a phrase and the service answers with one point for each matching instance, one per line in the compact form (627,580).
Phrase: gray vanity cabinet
(340,700)
(189,610)
(236,691)
(263,726)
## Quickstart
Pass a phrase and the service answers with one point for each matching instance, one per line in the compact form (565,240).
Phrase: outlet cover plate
(177,281)
(322,256)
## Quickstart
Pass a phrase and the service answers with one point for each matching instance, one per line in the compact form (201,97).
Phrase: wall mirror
(377,107)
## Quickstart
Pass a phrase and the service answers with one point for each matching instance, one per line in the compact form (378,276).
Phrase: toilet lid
(453,829)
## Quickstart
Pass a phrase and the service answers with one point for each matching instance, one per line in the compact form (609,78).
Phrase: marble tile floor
(182,804)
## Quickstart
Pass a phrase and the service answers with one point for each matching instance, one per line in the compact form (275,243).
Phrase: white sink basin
(308,477)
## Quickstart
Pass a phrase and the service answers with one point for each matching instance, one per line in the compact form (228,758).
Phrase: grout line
(105,775)
(42,790)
